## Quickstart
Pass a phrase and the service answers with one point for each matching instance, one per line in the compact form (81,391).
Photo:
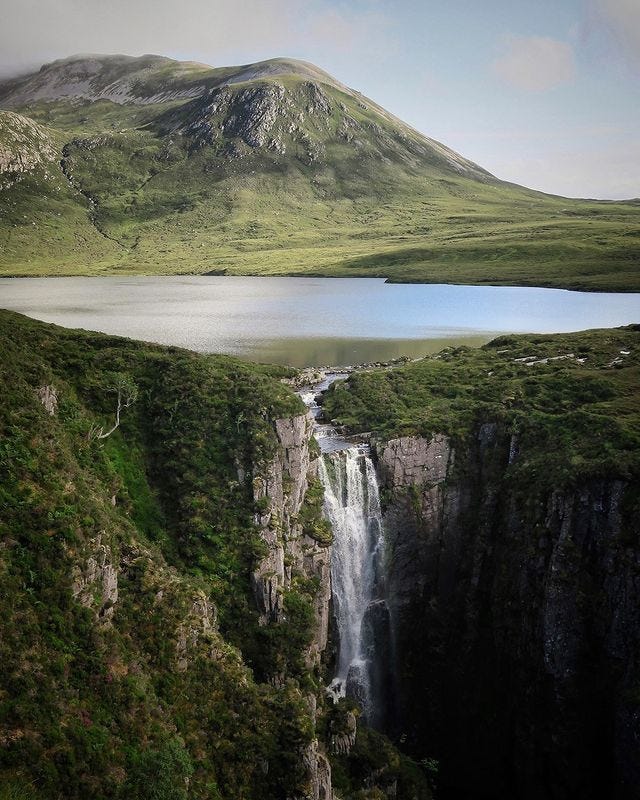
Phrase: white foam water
(352,505)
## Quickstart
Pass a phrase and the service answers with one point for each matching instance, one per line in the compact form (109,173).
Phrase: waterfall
(352,505)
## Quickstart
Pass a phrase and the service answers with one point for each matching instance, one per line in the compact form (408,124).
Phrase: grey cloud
(622,19)
(216,31)
(536,63)
(39,30)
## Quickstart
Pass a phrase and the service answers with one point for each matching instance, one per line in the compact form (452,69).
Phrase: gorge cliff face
(516,638)
(165,590)
(164,604)
(280,489)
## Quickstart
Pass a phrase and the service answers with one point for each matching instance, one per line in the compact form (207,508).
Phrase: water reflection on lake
(308,352)
(309,321)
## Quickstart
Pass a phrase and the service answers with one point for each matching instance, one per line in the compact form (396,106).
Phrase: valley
(278,522)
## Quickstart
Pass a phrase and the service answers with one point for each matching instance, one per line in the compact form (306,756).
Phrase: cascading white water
(352,505)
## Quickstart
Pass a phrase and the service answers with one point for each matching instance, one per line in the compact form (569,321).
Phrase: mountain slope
(41,212)
(277,168)
(137,660)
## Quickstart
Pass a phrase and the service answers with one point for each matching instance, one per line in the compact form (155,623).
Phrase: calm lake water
(310,321)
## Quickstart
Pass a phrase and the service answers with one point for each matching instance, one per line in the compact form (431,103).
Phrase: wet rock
(344,729)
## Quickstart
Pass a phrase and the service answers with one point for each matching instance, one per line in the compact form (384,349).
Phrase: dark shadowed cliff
(510,480)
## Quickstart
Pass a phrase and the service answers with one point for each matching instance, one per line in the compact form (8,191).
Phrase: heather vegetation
(571,400)
(134,664)
(97,697)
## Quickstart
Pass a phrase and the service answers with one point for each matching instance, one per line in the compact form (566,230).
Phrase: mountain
(160,166)
(144,80)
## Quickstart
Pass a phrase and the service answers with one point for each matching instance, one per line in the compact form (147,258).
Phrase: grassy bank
(572,400)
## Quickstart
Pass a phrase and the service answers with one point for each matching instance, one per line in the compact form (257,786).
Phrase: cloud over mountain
(34,31)
(622,18)
(536,63)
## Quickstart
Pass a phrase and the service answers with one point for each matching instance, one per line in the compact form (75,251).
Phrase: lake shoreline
(305,321)
(566,285)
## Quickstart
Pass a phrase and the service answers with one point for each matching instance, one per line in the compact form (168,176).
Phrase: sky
(545,93)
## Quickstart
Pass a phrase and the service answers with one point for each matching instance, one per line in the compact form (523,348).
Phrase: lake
(310,321)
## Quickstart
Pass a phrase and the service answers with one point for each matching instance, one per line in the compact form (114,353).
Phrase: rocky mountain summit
(180,167)
(242,102)
(142,80)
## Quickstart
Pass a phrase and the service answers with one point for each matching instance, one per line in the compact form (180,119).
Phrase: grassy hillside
(277,169)
(571,399)
(166,688)
(97,708)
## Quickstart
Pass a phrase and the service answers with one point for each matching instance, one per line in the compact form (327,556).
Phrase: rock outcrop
(343,734)
(24,145)
(413,461)
(199,624)
(280,489)
(515,622)
(319,772)
(279,492)
(266,115)
(95,583)
(49,399)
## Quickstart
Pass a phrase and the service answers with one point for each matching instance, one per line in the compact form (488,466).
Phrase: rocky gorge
(514,616)
(508,644)
(505,644)
(166,595)
(175,593)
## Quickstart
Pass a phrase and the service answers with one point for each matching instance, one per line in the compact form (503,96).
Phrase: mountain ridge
(278,168)
(91,67)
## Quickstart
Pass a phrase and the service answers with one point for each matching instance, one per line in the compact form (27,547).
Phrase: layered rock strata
(279,492)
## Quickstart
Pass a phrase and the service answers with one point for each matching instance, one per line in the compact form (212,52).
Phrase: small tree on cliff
(126,391)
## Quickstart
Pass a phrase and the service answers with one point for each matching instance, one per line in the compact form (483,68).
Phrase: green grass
(385,206)
(576,416)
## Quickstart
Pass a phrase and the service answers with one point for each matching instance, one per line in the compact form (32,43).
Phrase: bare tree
(126,391)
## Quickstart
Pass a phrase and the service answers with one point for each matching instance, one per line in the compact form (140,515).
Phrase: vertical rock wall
(516,623)
(279,492)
